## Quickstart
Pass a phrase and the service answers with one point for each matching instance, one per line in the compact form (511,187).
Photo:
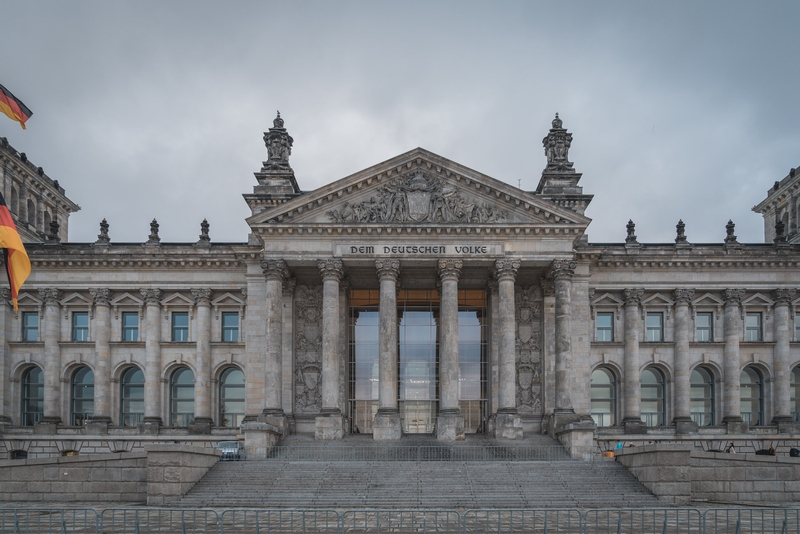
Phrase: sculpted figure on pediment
(308,349)
(418,197)
(528,303)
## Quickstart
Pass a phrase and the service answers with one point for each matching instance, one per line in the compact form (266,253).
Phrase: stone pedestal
(200,426)
(150,426)
(507,426)
(98,425)
(259,439)
(683,426)
(634,426)
(386,425)
(560,419)
(48,425)
(276,419)
(787,426)
(578,439)
(329,426)
(736,426)
(450,426)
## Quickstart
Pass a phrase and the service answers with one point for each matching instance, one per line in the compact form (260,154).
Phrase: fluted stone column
(52,361)
(449,420)
(152,362)
(632,381)
(387,421)
(102,362)
(202,381)
(732,414)
(508,423)
(683,387)
(275,273)
(562,273)
(330,422)
(781,359)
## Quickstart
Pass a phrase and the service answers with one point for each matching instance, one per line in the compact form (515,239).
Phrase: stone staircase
(418,484)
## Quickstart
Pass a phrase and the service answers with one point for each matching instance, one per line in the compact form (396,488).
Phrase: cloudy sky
(679,110)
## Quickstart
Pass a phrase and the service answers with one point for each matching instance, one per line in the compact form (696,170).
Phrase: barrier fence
(421,453)
(297,521)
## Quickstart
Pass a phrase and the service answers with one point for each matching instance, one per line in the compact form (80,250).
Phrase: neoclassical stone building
(417,296)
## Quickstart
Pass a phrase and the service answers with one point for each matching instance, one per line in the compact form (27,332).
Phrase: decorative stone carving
(528,304)
(563,269)
(388,269)
(556,147)
(632,296)
(102,237)
(733,296)
(730,238)
(506,269)
(274,269)
(202,297)
(680,228)
(54,230)
(780,228)
(548,286)
(279,146)
(331,269)
(288,287)
(204,237)
(450,269)
(682,296)
(308,349)
(631,227)
(152,297)
(783,296)
(50,295)
(5,296)
(153,238)
(101,296)
(418,197)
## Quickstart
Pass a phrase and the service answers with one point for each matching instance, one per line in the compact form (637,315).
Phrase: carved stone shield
(525,327)
(419,203)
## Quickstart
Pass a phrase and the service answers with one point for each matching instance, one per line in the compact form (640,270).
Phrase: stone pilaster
(152,362)
(631,391)
(683,417)
(330,423)
(52,361)
(508,423)
(562,273)
(781,359)
(275,273)
(102,366)
(6,312)
(449,421)
(202,384)
(732,415)
(386,424)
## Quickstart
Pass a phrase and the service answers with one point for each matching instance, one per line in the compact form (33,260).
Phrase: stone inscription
(382,249)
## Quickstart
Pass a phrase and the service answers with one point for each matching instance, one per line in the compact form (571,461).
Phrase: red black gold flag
(13,107)
(18,266)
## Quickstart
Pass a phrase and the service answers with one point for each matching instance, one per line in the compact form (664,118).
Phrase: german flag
(18,266)
(13,107)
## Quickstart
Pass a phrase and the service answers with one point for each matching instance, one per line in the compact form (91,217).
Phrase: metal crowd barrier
(498,521)
(420,453)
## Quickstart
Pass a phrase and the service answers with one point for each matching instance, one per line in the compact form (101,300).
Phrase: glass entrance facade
(418,359)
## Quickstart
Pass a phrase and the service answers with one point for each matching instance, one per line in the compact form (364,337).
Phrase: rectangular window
(797,328)
(180,326)
(30,327)
(80,326)
(655,327)
(704,323)
(230,327)
(752,327)
(130,326)
(605,326)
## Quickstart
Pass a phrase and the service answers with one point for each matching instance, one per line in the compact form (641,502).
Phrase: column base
(507,425)
(684,425)
(735,425)
(149,426)
(277,419)
(48,425)
(386,425)
(450,426)
(560,418)
(98,425)
(259,439)
(201,426)
(634,426)
(786,425)
(329,425)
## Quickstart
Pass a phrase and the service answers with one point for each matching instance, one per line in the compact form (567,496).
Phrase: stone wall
(663,469)
(172,470)
(722,477)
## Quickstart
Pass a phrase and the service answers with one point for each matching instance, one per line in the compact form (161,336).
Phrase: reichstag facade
(417,296)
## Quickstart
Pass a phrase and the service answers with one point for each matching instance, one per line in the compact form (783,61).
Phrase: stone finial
(53,236)
(733,296)
(101,295)
(562,269)
(730,237)
(683,296)
(152,297)
(279,146)
(388,269)
(450,269)
(274,269)
(102,237)
(204,237)
(780,228)
(50,295)
(680,238)
(783,296)
(202,296)
(556,147)
(631,227)
(632,296)
(153,238)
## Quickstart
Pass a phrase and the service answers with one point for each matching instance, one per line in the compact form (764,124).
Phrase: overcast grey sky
(678,110)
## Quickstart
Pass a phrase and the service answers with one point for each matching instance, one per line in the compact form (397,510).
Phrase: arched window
(31,213)
(32,396)
(181,397)
(131,410)
(653,409)
(752,395)
(82,396)
(702,397)
(47,221)
(794,393)
(231,397)
(14,201)
(604,397)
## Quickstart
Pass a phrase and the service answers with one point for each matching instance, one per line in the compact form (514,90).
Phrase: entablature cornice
(381,229)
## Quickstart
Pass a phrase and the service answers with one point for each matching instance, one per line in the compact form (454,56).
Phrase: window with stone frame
(704,327)
(604,327)
(130,326)
(180,326)
(80,326)
(754,327)
(654,323)
(230,327)
(30,326)
(797,327)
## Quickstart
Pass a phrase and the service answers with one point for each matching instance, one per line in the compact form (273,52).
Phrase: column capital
(330,270)
(506,269)
(101,295)
(562,269)
(50,295)
(632,296)
(450,269)
(733,296)
(152,297)
(202,297)
(274,269)
(5,294)
(548,286)
(388,269)
(783,297)
(682,295)
(492,285)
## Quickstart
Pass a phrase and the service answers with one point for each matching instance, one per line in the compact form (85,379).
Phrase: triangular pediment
(419,188)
